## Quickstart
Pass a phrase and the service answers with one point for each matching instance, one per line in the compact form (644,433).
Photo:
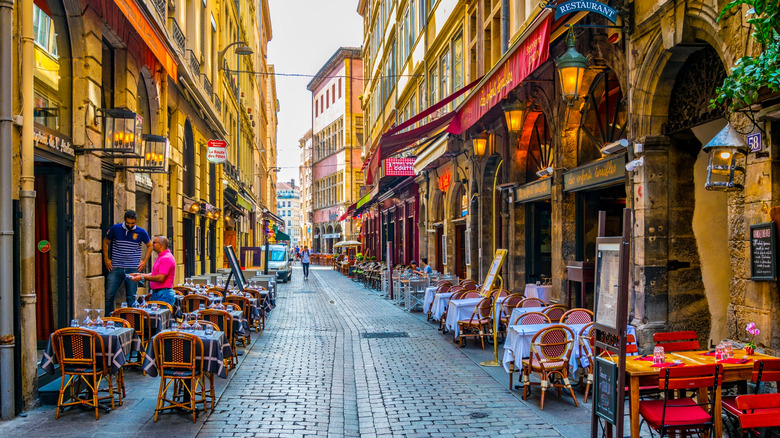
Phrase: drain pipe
(7,341)
(28,342)
(504,26)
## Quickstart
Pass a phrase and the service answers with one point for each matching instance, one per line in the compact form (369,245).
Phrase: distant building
(288,208)
(304,176)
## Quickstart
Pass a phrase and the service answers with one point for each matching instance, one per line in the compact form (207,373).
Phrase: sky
(306,33)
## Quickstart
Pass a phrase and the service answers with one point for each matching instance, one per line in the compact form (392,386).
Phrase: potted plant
(753,330)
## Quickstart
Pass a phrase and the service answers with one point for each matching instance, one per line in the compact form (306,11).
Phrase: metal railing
(178,35)
(193,61)
(207,87)
(160,5)
(218,104)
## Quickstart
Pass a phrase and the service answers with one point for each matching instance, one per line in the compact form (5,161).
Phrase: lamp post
(571,68)
(725,149)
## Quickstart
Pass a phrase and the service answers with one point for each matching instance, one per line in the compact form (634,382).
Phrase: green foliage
(751,74)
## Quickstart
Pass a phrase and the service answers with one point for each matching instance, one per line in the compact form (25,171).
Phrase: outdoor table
(440,302)
(463,309)
(430,291)
(159,319)
(517,311)
(544,293)
(216,347)
(240,324)
(119,343)
(641,373)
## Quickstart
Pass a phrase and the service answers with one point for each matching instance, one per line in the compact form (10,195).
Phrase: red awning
(350,210)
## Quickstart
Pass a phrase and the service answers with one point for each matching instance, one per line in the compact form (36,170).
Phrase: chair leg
(571,391)
(61,394)
(587,385)
(192,392)
(160,396)
(544,390)
(95,395)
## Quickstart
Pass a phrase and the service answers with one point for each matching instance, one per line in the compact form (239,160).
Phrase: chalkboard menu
(605,384)
(235,268)
(763,248)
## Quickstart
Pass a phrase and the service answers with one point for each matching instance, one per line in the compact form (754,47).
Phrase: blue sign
(585,5)
(755,141)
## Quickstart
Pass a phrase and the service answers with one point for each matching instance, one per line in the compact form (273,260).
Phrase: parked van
(280,262)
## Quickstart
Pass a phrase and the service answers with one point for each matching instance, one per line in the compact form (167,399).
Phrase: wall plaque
(763,252)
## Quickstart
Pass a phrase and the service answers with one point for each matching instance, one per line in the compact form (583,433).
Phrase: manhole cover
(378,335)
(475,415)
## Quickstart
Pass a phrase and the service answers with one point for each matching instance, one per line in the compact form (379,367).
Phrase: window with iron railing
(194,63)
(178,35)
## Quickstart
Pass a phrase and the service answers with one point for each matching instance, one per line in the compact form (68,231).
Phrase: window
(327,98)
(289,223)
(457,63)
(339,88)
(433,79)
(444,73)
(333,92)
(316,108)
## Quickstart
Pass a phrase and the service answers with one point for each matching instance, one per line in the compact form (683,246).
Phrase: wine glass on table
(87,320)
(98,321)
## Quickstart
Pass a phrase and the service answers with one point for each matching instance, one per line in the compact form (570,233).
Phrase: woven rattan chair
(527,318)
(176,355)
(140,322)
(191,303)
(245,306)
(480,324)
(551,348)
(162,304)
(555,312)
(218,291)
(532,302)
(258,323)
(224,321)
(577,316)
(76,350)
(182,290)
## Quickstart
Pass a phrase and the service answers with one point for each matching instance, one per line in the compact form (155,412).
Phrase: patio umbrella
(345,243)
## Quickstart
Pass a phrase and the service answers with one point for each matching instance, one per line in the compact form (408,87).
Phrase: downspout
(7,341)
(504,26)
(27,207)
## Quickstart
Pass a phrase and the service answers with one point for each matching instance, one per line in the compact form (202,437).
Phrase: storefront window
(604,118)
(540,154)
(52,66)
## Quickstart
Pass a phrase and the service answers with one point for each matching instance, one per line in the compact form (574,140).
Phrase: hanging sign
(399,166)
(541,189)
(445,181)
(217,151)
(763,252)
(589,6)
(44,246)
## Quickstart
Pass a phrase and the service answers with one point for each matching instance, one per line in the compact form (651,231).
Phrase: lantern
(571,68)
(513,112)
(122,133)
(725,149)
(156,151)
(479,142)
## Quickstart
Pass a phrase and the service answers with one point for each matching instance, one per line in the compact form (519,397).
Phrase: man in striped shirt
(127,242)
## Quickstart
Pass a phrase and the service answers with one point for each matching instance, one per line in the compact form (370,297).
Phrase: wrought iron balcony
(160,5)
(218,104)
(193,61)
(178,35)
(207,87)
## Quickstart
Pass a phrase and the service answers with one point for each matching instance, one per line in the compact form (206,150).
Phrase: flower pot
(749,350)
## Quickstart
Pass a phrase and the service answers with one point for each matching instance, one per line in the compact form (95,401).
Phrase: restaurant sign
(445,180)
(52,140)
(541,189)
(399,166)
(596,174)
(217,151)
(589,6)
(763,252)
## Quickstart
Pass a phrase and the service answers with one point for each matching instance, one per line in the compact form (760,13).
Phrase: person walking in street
(126,242)
(305,260)
(163,273)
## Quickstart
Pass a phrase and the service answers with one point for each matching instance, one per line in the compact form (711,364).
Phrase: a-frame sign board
(610,327)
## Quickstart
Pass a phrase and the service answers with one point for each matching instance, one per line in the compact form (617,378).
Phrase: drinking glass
(185,326)
(209,329)
(175,326)
(124,304)
(74,322)
(201,306)
(109,325)
(154,307)
(211,296)
(197,326)
(719,351)
(658,355)
(87,321)
(98,321)
(728,350)
(229,307)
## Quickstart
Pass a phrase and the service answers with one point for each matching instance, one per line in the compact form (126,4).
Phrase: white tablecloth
(518,345)
(430,291)
(521,310)
(544,293)
(440,303)
(463,309)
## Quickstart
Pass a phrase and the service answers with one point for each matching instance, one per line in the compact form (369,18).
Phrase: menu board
(235,268)
(607,283)
(605,383)
(444,249)
(763,248)
(498,262)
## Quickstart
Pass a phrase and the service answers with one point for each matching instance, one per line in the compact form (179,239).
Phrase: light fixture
(571,68)
(544,172)
(121,134)
(614,147)
(190,205)
(633,165)
(513,112)
(479,142)
(725,149)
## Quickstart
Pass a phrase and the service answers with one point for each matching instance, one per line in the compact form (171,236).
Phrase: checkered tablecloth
(216,348)
(119,343)
(159,319)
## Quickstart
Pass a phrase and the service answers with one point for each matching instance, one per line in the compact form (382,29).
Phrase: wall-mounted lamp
(571,68)
(121,133)
(190,205)
(513,112)
(479,143)
(155,157)
(725,149)
(544,172)
(614,147)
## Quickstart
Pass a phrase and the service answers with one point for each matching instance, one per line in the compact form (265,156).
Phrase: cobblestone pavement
(312,373)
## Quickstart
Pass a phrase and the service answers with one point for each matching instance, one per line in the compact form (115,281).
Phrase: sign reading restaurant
(49,139)
(598,173)
(399,166)
(584,5)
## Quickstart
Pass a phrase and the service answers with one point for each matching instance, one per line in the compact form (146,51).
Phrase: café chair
(507,306)
(677,341)
(217,291)
(76,349)
(577,316)
(458,293)
(471,294)
(766,370)
(258,323)
(223,320)
(526,319)
(176,354)
(683,415)
(585,348)
(140,322)
(120,375)
(162,304)
(204,323)
(123,322)
(532,302)
(470,286)
(191,303)
(480,324)
(182,290)
(246,307)
(551,348)
(555,312)
(759,411)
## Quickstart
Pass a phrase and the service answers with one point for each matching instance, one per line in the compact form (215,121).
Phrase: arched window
(52,66)
(143,106)
(539,149)
(604,117)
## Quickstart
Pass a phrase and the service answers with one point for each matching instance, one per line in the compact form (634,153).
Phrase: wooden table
(641,373)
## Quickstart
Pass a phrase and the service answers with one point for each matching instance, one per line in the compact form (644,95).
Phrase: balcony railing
(160,6)
(193,61)
(218,104)
(207,87)
(178,35)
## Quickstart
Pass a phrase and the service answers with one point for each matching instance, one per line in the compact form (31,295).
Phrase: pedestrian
(163,273)
(126,241)
(414,268)
(426,268)
(305,262)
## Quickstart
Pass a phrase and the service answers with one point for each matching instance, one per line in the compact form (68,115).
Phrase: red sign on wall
(399,166)
(444,181)
(217,151)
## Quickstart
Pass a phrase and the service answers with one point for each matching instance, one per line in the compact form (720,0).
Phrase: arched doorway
(188,188)
(459,209)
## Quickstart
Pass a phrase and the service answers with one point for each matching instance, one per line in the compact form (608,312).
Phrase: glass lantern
(726,150)
(123,133)
(571,68)
(156,151)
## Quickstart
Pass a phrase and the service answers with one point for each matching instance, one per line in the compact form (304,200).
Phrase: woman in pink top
(163,273)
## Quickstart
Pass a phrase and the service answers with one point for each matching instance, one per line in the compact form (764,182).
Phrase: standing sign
(444,249)
(607,283)
(235,269)
(605,385)
(217,151)
(495,267)
(763,252)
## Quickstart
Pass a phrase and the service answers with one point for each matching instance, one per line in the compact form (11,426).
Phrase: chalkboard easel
(235,269)
(763,252)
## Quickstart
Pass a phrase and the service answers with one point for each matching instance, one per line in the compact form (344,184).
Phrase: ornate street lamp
(479,142)
(513,112)
(155,157)
(122,133)
(725,149)
(571,68)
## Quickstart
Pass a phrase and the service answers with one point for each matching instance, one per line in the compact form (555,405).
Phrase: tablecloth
(440,303)
(159,319)
(119,343)
(463,309)
(521,310)
(216,347)
(544,293)
(430,291)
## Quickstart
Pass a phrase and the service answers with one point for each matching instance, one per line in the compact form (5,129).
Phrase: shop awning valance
(282,237)
(141,24)
(348,213)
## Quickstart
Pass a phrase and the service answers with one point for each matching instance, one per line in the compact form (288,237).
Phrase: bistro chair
(176,354)
(585,347)
(470,286)
(204,323)
(759,411)
(191,303)
(527,318)
(224,321)
(766,370)
(140,322)
(510,303)
(577,316)
(683,415)
(555,312)
(457,295)
(480,321)
(258,323)
(677,341)
(120,375)
(123,322)
(77,349)
(498,293)
(532,302)
(182,290)
(162,304)
(246,307)
(217,291)
(551,348)
(470,294)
